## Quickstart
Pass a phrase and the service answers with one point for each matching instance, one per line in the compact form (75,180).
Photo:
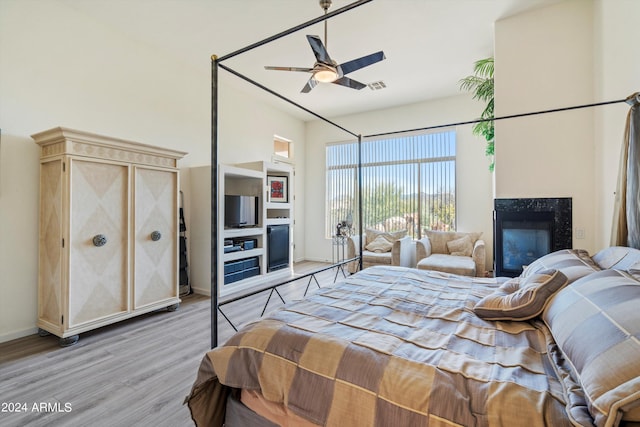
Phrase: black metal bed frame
(215,65)
(339,266)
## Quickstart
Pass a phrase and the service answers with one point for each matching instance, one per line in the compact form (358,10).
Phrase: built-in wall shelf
(275,206)
(251,179)
(233,256)
(231,171)
(230,233)
(278,221)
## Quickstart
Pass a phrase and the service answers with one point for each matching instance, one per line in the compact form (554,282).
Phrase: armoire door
(98,251)
(156,230)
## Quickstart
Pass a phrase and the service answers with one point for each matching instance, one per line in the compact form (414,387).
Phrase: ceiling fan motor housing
(325,4)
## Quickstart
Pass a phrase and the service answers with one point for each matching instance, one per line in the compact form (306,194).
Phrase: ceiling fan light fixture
(325,76)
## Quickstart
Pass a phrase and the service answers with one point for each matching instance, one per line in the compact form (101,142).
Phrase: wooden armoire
(108,247)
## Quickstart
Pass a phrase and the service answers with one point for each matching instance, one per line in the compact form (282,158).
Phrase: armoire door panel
(155,228)
(50,244)
(98,267)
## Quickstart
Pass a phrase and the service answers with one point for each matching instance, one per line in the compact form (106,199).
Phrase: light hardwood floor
(133,373)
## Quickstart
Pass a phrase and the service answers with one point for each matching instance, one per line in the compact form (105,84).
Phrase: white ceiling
(429,44)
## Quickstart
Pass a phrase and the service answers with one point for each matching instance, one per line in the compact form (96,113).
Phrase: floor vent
(377,85)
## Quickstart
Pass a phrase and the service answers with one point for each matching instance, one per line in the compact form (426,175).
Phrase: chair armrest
(353,246)
(401,252)
(479,257)
(353,250)
(423,248)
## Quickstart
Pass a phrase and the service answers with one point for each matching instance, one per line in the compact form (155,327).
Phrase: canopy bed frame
(217,63)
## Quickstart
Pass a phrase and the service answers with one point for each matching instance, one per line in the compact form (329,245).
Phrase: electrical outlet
(580,233)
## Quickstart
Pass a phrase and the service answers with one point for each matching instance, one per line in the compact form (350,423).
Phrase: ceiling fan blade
(310,85)
(319,50)
(303,69)
(356,64)
(353,84)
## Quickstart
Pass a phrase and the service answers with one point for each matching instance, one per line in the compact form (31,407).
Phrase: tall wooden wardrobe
(108,246)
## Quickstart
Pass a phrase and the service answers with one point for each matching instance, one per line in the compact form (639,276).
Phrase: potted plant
(481,85)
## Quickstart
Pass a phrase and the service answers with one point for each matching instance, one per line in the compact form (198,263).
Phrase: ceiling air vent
(377,85)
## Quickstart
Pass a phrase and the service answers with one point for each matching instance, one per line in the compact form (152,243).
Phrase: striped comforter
(390,346)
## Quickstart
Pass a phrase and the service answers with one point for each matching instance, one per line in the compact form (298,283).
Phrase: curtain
(626,213)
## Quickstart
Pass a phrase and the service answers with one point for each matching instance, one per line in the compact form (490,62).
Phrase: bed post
(360,200)
(214,201)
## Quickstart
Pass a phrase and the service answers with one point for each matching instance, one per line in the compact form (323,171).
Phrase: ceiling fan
(326,70)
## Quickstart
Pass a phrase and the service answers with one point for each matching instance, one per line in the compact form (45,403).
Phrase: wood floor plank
(132,373)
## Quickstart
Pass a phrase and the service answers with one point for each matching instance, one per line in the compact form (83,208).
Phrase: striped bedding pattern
(391,346)
(596,325)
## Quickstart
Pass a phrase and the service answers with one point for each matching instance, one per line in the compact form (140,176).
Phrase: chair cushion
(461,265)
(376,257)
(521,299)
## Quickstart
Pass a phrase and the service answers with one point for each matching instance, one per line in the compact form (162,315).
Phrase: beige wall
(58,68)
(61,68)
(580,55)
(617,75)
(542,67)
(473,179)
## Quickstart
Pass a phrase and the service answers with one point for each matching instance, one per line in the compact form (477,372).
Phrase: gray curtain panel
(626,214)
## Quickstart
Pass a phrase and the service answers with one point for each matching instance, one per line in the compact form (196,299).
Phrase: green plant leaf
(481,85)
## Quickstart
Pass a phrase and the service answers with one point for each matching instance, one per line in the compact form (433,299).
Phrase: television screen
(240,211)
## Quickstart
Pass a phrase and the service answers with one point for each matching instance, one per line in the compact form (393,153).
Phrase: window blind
(408,183)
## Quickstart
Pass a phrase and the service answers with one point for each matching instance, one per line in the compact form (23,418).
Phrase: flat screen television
(240,211)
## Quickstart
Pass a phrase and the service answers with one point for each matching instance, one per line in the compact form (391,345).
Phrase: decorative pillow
(461,246)
(439,239)
(380,244)
(521,298)
(391,236)
(574,263)
(595,323)
(617,258)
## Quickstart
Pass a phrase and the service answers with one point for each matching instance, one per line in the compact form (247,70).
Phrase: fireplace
(526,229)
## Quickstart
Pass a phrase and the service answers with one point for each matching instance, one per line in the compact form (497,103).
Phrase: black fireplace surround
(526,229)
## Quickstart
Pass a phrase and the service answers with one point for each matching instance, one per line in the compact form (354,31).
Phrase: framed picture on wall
(278,191)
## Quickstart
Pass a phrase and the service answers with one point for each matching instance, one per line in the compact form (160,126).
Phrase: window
(408,183)
(282,148)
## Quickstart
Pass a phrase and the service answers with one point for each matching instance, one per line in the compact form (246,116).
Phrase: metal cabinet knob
(156,235)
(99,240)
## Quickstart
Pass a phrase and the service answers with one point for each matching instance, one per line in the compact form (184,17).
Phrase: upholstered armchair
(452,252)
(380,248)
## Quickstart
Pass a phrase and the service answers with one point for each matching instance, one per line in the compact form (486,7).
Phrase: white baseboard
(201,291)
(18,334)
(313,259)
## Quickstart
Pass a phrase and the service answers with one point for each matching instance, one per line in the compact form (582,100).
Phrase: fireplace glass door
(522,238)
(523,243)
